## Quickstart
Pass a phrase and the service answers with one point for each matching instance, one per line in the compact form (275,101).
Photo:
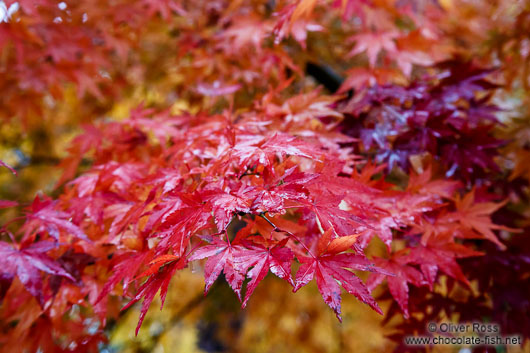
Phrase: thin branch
(262,215)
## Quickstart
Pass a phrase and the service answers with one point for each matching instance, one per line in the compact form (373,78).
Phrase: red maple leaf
(332,269)
(220,258)
(159,281)
(373,43)
(403,274)
(275,258)
(27,264)
(440,254)
(45,217)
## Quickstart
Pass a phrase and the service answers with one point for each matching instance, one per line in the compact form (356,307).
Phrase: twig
(262,215)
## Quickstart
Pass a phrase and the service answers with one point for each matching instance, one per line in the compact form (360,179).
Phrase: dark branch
(324,75)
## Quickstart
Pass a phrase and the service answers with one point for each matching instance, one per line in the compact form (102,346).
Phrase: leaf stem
(262,215)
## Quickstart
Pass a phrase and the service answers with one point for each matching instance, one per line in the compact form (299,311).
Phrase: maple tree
(237,161)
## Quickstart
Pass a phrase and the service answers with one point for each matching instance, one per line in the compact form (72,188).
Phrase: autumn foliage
(358,144)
